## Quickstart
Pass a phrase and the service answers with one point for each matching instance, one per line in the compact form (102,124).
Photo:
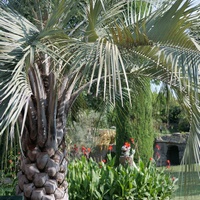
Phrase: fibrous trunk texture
(43,165)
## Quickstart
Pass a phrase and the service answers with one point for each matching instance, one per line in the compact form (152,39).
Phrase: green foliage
(7,183)
(183,124)
(83,131)
(174,113)
(9,164)
(136,122)
(9,148)
(90,180)
(168,113)
(8,170)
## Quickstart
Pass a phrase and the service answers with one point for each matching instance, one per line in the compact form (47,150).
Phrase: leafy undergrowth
(99,181)
(102,181)
(7,185)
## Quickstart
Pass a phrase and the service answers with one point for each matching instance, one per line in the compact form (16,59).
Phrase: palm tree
(47,61)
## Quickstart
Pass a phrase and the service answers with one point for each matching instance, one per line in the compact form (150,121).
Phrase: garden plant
(93,180)
(98,181)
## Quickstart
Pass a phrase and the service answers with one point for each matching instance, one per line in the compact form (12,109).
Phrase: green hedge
(136,122)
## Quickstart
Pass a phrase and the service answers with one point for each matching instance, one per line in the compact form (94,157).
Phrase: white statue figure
(128,155)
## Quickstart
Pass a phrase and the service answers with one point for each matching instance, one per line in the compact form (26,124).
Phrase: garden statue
(127,156)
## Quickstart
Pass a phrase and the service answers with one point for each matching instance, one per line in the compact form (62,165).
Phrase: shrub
(183,125)
(90,180)
(136,122)
(8,179)
(7,184)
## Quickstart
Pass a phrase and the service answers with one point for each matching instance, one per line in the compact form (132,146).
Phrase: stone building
(170,147)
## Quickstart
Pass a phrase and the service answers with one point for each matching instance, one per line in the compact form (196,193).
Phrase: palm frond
(16,34)
(170,25)
(61,14)
(99,14)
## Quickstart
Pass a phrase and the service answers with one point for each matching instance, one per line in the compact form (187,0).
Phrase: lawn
(190,191)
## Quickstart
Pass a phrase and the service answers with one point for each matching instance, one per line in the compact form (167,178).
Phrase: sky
(196,1)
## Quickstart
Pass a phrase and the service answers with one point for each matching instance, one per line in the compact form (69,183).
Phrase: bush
(8,179)
(183,125)
(7,184)
(90,180)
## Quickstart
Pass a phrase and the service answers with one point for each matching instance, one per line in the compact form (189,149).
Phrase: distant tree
(167,110)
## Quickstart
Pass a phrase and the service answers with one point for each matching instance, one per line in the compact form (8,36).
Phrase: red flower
(168,163)
(157,147)
(75,148)
(104,160)
(151,159)
(110,148)
(126,144)
(88,150)
(132,140)
(83,149)
(157,155)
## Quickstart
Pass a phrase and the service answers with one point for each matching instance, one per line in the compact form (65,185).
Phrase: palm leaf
(114,40)
(14,88)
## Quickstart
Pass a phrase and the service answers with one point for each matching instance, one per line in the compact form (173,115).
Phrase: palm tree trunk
(43,165)
(42,175)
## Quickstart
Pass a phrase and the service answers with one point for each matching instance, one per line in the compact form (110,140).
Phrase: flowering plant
(104,180)
(77,152)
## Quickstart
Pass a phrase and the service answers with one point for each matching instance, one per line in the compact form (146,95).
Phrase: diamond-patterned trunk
(42,176)
(43,165)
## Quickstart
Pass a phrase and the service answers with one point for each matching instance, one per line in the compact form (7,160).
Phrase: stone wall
(170,147)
